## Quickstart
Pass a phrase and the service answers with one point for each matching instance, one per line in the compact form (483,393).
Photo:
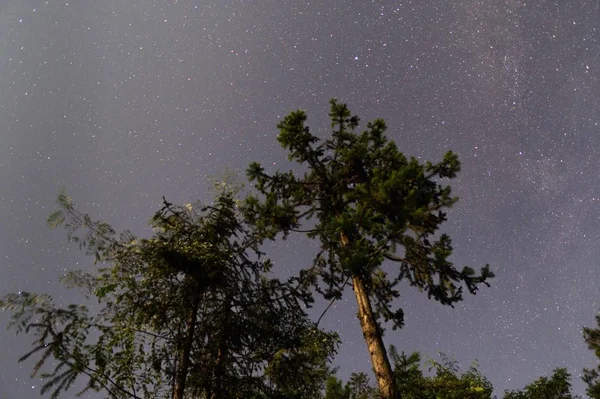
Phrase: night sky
(124,101)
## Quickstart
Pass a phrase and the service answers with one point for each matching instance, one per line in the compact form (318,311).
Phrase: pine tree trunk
(184,352)
(379,359)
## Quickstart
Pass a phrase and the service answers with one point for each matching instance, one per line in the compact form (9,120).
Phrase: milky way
(122,102)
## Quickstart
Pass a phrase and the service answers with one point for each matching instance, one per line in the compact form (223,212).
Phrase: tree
(592,376)
(446,383)
(335,389)
(372,204)
(558,386)
(357,387)
(360,387)
(189,312)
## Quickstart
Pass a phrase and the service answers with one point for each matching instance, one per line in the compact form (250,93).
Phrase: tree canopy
(557,386)
(433,379)
(445,383)
(373,206)
(189,312)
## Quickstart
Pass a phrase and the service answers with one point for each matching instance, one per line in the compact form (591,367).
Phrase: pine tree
(371,204)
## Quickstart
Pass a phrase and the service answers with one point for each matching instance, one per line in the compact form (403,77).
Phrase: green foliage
(368,200)
(558,386)
(442,382)
(335,389)
(357,387)
(191,305)
(592,376)
(360,387)
(446,383)
(296,368)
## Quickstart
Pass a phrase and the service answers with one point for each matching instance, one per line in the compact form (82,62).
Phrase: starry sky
(124,101)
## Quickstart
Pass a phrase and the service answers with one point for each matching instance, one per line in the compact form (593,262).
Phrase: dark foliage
(189,312)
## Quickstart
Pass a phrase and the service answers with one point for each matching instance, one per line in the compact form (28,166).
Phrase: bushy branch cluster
(372,205)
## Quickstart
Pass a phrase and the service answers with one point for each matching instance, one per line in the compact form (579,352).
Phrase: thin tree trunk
(218,390)
(184,352)
(221,351)
(379,359)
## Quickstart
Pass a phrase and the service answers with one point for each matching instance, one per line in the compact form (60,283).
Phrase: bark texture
(379,359)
